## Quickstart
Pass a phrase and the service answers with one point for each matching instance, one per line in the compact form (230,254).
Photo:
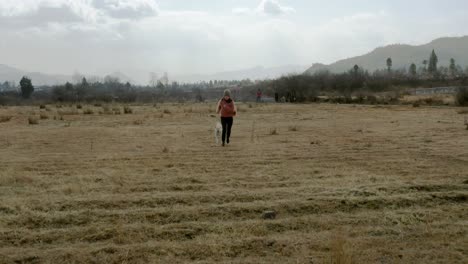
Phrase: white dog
(218,130)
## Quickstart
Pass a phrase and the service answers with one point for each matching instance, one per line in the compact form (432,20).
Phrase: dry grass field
(349,184)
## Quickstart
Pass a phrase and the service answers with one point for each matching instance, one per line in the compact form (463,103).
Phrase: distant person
(259,96)
(227,108)
(277,97)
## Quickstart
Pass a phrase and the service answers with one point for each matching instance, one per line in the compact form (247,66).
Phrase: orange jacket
(226,108)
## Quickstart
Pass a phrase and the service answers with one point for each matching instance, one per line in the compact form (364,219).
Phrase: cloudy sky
(205,36)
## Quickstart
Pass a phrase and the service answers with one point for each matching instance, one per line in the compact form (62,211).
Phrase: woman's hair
(227,92)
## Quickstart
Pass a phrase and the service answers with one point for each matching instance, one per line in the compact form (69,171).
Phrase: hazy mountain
(403,55)
(14,75)
(8,73)
(11,74)
(256,73)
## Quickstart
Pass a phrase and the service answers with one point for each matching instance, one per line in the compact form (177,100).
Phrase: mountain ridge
(402,56)
(11,74)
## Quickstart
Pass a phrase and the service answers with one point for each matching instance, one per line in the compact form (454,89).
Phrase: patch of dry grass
(352,185)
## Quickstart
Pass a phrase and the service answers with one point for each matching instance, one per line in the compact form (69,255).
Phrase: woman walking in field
(227,108)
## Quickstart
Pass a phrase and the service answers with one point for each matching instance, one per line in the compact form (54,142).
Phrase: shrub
(371,99)
(273,132)
(33,120)
(138,122)
(68,112)
(107,111)
(44,116)
(128,110)
(42,106)
(79,106)
(116,110)
(88,111)
(4,119)
(293,128)
(165,150)
(166,111)
(462,96)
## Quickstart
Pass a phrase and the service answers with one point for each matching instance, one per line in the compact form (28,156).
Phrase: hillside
(14,75)
(11,74)
(255,73)
(403,55)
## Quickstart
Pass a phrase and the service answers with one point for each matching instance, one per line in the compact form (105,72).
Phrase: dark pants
(227,125)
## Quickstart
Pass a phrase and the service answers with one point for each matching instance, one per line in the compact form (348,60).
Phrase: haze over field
(193,38)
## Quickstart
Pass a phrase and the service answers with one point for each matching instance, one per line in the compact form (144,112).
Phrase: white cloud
(102,36)
(132,9)
(273,7)
(36,13)
(180,42)
(266,7)
(47,10)
(242,11)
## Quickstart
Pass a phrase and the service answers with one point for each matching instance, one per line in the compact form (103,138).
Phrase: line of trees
(306,87)
(294,88)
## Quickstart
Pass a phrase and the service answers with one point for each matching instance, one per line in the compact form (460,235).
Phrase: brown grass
(378,185)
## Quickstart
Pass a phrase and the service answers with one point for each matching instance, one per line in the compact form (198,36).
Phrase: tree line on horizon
(293,88)
(359,81)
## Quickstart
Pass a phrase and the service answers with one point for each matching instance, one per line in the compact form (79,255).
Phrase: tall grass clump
(128,110)
(462,96)
(4,119)
(88,111)
(33,120)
